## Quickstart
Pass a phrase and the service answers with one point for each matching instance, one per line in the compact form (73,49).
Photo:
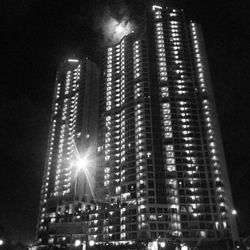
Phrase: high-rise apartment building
(72,135)
(160,171)
(159,144)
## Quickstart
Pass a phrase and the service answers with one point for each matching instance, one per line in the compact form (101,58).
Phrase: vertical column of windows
(58,90)
(199,66)
(138,90)
(51,147)
(67,85)
(71,135)
(122,73)
(141,158)
(67,132)
(109,80)
(185,128)
(62,137)
(50,154)
(56,105)
(123,158)
(123,225)
(118,150)
(171,181)
(140,144)
(68,138)
(137,64)
(76,77)
(174,13)
(161,54)
(108,118)
(59,160)
(122,114)
(123,195)
(140,137)
(164,90)
(191,170)
(115,147)
(141,170)
(122,140)
(107,149)
(171,189)
(170,164)
(167,123)
(107,145)
(175,42)
(157,14)
(220,192)
(44,191)
(136,60)
(72,118)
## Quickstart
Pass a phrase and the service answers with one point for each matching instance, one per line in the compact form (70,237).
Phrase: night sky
(37,34)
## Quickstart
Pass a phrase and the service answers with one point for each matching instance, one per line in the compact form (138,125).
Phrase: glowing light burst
(114,30)
(82,163)
(85,163)
(119,28)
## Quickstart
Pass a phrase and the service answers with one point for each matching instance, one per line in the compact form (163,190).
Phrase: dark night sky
(37,34)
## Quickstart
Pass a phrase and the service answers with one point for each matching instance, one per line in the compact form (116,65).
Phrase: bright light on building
(203,234)
(119,28)
(155,7)
(73,60)
(77,243)
(184,247)
(153,245)
(1,242)
(91,243)
(234,212)
(82,163)
(162,244)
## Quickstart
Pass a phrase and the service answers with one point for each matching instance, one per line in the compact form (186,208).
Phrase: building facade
(66,189)
(160,173)
(160,148)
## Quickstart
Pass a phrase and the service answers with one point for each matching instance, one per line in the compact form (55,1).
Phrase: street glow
(77,243)
(1,242)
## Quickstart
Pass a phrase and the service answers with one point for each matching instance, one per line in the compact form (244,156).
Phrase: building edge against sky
(160,168)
